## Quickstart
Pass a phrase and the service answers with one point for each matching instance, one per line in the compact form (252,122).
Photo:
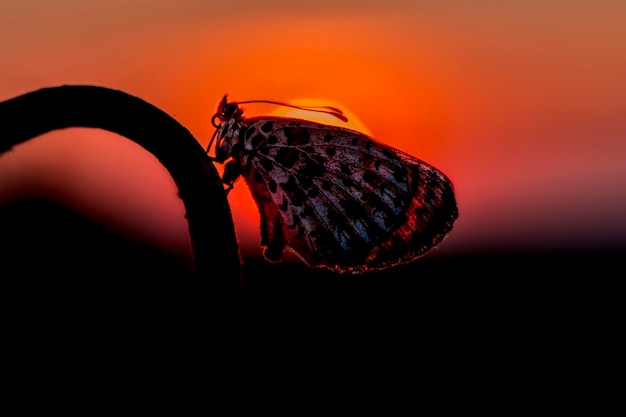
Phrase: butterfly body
(336,197)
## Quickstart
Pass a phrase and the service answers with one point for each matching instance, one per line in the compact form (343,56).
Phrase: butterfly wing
(340,199)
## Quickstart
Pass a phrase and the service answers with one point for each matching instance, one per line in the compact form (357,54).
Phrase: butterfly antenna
(333,111)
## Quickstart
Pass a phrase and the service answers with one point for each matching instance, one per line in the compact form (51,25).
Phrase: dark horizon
(82,300)
(50,250)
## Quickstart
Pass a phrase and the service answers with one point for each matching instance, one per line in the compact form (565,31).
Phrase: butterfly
(336,197)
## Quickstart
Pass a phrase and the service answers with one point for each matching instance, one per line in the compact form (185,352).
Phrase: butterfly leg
(232,171)
(272,235)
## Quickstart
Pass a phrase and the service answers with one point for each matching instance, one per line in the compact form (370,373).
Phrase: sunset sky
(521,103)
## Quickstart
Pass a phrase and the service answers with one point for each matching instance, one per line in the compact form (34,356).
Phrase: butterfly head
(226,111)
(225,120)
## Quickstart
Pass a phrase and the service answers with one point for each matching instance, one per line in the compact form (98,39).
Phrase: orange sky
(522,104)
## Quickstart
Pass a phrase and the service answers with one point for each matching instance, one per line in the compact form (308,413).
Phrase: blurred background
(521,103)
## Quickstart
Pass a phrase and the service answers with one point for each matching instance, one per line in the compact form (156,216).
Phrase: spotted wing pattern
(340,199)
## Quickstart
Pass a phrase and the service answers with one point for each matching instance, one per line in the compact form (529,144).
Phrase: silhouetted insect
(336,197)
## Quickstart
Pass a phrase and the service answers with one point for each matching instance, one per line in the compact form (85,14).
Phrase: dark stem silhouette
(215,248)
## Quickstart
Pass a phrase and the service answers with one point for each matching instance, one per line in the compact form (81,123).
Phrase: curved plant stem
(214,244)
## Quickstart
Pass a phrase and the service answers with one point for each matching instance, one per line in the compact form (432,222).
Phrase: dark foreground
(76,293)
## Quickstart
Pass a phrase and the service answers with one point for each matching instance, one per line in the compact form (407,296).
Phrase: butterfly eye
(229,110)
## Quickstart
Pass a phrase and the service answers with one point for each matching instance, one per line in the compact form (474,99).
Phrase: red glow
(521,105)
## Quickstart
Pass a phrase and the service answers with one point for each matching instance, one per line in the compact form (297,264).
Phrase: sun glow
(353,122)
